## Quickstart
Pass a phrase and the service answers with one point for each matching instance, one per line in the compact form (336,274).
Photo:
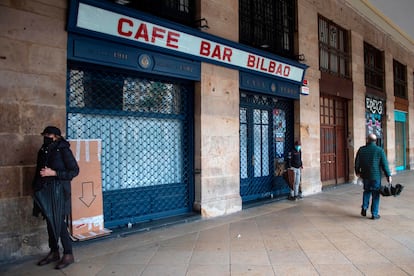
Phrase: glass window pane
(256,116)
(265,150)
(257,149)
(243,116)
(265,117)
(243,151)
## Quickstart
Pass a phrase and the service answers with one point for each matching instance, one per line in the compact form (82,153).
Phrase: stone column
(307,122)
(217,180)
(389,146)
(357,125)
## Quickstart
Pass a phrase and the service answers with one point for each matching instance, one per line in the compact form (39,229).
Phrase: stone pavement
(323,234)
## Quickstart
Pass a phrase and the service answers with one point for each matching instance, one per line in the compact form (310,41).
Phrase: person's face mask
(47,140)
(297,148)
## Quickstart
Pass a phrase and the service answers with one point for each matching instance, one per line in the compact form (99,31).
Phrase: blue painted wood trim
(270,86)
(132,58)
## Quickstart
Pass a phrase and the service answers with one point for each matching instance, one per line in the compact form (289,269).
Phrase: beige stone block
(14,55)
(220,187)
(221,206)
(35,118)
(219,116)
(22,234)
(18,150)
(222,19)
(308,35)
(47,60)
(34,89)
(38,24)
(220,126)
(225,106)
(9,117)
(27,178)
(10,182)
(224,165)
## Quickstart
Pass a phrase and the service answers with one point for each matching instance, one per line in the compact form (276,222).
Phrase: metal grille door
(146,132)
(266,129)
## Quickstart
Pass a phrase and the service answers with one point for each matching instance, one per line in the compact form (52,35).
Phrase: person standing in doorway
(295,164)
(56,167)
(369,162)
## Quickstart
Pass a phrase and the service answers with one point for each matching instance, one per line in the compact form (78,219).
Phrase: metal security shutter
(266,137)
(146,128)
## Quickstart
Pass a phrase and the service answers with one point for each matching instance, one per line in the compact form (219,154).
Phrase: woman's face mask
(47,140)
(297,148)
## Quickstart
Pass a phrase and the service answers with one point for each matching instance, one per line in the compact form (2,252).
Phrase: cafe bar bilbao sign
(118,25)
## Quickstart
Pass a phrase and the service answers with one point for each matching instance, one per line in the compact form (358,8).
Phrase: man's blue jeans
(371,187)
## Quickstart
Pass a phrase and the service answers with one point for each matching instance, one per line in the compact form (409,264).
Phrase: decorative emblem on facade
(145,61)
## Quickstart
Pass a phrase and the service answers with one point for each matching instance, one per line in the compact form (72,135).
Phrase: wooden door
(333,112)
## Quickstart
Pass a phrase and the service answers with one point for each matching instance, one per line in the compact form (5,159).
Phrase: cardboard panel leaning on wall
(87,203)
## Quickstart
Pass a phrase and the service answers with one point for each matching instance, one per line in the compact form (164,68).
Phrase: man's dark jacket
(369,162)
(295,159)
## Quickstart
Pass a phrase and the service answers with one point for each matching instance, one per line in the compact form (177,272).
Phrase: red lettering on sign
(157,32)
(267,65)
(279,69)
(217,53)
(250,61)
(205,48)
(142,32)
(121,24)
(261,65)
(272,66)
(286,71)
(227,54)
(172,39)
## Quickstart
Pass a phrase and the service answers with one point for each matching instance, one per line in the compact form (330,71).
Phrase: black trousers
(64,238)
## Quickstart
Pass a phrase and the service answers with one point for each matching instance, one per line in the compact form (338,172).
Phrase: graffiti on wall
(373,117)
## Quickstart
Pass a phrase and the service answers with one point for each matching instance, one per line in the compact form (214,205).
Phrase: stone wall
(32,95)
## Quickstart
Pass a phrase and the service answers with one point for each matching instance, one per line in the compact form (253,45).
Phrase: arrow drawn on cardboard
(88,194)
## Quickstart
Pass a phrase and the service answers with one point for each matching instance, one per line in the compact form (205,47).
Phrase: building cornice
(376,17)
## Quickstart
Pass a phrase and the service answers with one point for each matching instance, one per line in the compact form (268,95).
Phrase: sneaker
(363,212)
(376,217)
(292,198)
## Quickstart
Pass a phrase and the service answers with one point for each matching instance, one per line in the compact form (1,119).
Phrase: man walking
(369,162)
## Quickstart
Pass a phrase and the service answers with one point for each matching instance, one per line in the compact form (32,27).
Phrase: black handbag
(390,190)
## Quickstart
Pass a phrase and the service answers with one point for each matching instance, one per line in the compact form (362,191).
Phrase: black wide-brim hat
(51,130)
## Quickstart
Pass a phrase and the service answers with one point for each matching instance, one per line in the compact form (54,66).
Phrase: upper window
(374,67)
(334,55)
(400,80)
(116,93)
(268,25)
(180,11)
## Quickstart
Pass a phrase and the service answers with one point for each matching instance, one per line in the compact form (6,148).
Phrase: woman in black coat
(56,166)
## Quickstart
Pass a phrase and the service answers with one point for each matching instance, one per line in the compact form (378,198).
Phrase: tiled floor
(322,234)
